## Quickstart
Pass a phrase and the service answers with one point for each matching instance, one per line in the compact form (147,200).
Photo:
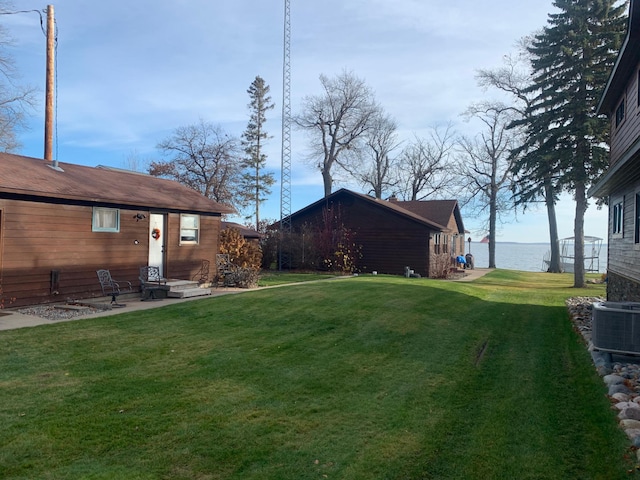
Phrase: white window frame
(189,223)
(99,217)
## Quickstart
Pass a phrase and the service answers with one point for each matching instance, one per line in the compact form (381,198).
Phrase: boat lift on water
(592,247)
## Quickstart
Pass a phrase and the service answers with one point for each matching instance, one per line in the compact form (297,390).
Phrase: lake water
(520,256)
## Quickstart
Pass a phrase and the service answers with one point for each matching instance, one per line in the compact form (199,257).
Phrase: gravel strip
(52,313)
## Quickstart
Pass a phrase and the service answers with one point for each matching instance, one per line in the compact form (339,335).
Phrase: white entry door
(157,239)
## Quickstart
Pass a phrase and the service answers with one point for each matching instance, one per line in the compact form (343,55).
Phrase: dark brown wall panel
(40,237)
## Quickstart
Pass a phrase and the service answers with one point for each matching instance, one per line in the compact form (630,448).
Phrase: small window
(437,243)
(105,219)
(189,229)
(637,220)
(618,218)
(620,113)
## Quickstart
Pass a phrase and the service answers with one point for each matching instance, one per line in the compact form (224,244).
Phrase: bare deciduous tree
(336,121)
(536,179)
(16,101)
(373,167)
(424,168)
(202,156)
(485,163)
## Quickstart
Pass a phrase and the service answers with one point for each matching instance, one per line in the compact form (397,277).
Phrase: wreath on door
(155,233)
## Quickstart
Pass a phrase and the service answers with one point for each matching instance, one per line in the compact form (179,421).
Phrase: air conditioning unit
(616,327)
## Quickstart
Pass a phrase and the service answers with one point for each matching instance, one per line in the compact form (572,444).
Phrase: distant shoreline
(518,243)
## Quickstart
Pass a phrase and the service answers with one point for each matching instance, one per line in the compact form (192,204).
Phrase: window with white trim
(437,243)
(189,229)
(105,220)
(617,224)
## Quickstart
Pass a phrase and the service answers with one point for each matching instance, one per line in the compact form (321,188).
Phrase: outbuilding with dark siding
(393,234)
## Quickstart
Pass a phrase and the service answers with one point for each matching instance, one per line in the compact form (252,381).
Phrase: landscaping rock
(630,424)
(622,379)
(613,380)
(629,414)
(624,405)
(621,397)
(619,388)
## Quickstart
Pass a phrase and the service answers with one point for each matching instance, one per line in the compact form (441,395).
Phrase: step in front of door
(189,292)
(181,285)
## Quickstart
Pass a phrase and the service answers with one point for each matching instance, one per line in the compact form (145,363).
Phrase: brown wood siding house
(59,225)
(393,235)
(621,183)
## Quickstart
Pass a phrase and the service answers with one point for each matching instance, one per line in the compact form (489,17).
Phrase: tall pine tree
(571,61)
(256,184)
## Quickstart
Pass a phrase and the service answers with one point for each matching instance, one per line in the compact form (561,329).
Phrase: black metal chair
(151,282)
(203,274)
(112,287)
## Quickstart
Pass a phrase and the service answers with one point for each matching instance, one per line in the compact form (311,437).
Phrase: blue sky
(129,73)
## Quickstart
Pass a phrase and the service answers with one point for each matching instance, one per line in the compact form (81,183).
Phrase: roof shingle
(32,177)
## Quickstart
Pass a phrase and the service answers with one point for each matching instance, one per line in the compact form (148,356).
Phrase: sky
(129,73)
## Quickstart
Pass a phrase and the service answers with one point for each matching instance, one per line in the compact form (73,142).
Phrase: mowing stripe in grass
(371,377)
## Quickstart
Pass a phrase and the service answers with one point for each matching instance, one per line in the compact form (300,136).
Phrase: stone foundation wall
(622,289)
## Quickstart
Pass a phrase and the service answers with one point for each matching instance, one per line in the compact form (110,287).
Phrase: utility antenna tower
(285,181)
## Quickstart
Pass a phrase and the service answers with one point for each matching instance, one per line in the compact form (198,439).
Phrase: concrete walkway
(10,319)
(473,274)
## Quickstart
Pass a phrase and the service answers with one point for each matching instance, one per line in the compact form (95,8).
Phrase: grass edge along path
(370,377)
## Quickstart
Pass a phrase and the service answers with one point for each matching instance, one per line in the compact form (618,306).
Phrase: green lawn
(273,278)
(356,378)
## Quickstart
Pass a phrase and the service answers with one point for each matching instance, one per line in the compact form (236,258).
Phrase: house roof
(26,177)
(246,232)
(625,65)
(438,224)
(623,172)
(440,211)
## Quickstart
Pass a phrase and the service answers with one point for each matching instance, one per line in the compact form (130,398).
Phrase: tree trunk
(554,261)
(493,215)
(328,182)
(257,186)
(578,233)
(257,198)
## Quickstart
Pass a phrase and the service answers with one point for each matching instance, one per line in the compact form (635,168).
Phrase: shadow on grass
(361,378)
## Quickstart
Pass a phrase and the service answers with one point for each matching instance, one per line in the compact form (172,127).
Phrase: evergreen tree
(256,183)
(572,59)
